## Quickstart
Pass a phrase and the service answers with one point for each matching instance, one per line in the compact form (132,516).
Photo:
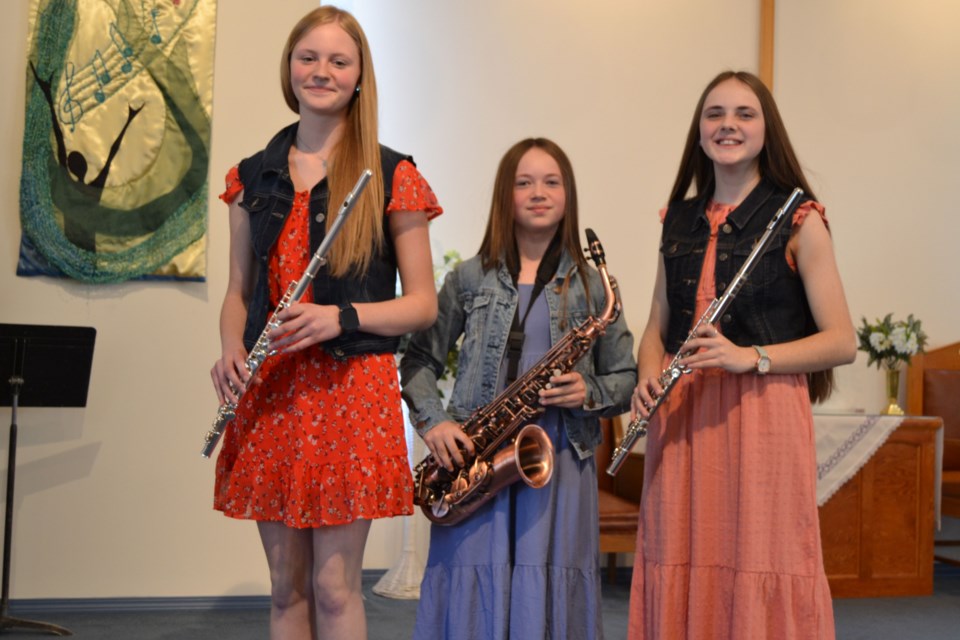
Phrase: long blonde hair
(359,148)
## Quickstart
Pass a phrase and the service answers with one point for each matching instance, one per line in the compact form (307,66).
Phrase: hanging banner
(117,139)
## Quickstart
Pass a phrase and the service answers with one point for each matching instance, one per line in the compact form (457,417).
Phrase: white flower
(879,341)
(912,345)
(899,339)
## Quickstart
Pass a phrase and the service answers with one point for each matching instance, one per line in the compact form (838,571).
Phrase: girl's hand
(645,395)
(567,390)
(445,441)
(303,325)
(230,375)
(710,349)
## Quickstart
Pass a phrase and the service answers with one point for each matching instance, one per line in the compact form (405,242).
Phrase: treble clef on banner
(70,110)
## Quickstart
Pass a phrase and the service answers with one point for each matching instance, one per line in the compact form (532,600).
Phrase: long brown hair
(499,246)
(359,148)
(777,162)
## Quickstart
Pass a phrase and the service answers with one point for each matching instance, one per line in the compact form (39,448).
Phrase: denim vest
(479,306)
(268,194)
(771,307)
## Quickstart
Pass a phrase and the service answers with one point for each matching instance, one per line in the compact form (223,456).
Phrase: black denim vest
(268,194)
(771,307)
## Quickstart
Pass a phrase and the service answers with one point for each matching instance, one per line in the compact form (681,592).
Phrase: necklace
(301,146)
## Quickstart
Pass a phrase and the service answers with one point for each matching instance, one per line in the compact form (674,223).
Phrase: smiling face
(539,197)
(325,70)
(732,126)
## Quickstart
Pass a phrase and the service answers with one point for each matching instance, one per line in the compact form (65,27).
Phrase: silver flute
(261,350)
(669,376)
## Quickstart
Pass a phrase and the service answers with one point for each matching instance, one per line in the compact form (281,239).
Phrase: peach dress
(729,538)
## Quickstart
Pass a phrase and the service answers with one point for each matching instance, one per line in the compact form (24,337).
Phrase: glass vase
(893,392)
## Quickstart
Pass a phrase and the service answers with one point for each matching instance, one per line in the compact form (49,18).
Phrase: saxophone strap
(545,272)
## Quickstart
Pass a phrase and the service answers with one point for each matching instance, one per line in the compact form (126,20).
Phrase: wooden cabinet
(877,529)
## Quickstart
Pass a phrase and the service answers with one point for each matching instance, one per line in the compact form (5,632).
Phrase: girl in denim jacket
(525,564)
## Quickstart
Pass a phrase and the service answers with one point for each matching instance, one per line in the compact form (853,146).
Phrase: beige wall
(114,500)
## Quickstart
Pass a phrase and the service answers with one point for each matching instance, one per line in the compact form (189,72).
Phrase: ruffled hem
(680,601)
(500,602)
(324,495)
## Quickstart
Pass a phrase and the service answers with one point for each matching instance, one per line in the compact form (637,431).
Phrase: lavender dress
(526,564)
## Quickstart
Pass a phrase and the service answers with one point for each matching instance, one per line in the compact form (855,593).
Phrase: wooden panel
(842,536)
(896,474)
(877,530)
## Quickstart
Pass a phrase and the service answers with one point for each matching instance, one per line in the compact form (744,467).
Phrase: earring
(357,90)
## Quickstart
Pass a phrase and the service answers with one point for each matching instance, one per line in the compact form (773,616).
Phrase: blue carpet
(928,618)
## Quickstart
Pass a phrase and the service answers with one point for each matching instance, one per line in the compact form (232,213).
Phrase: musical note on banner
(155,38)
(122,46)
(70,110)
(102,76)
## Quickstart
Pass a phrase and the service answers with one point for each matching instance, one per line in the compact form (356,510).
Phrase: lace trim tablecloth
(846,442)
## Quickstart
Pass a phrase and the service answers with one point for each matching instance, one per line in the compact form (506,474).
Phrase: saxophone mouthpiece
(595,248)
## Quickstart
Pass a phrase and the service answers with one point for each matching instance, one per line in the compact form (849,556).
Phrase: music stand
(45,366)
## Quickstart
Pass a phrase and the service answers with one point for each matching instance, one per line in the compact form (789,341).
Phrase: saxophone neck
(613,305)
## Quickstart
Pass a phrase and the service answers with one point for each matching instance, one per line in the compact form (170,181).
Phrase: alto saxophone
(504,449)
(669,376)
(295,290)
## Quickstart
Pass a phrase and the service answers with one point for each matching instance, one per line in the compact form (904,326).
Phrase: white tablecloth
(846,442)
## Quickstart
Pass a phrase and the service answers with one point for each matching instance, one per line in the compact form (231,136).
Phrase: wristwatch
(763,362)
(349,322)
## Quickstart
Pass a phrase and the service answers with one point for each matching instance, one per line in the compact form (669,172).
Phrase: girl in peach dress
(729,540)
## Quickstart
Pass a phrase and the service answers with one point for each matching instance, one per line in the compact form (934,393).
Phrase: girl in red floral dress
(317,449)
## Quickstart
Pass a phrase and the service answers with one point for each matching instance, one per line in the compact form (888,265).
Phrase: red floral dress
(321,441)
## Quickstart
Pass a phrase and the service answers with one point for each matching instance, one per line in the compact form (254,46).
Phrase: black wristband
(349,322)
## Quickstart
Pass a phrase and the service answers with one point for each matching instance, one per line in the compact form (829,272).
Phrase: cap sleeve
(411,192)
(234,186)
(804,210)
(798,217)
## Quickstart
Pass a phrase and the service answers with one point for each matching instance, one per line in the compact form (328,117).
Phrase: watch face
(763,365)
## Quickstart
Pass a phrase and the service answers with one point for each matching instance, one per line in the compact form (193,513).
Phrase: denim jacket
(771,307)
(480,305)
(268,194)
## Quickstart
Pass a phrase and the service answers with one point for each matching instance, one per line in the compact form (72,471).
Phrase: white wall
(114,500)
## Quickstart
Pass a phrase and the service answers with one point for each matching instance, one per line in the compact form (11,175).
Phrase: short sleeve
(804,210)
(234,186)
(798,217)
(411,192)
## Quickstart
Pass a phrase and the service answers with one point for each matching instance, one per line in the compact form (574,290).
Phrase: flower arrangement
(890,342)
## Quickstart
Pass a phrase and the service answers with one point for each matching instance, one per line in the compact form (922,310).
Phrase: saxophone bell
(528,459)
